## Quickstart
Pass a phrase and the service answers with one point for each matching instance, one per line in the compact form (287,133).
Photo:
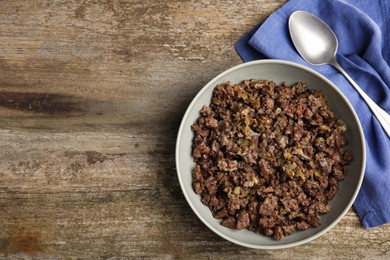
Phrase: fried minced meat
(268,157)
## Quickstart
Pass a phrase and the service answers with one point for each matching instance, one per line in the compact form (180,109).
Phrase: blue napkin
(363,31)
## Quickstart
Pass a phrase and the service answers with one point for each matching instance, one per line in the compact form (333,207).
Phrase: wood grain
(91,96)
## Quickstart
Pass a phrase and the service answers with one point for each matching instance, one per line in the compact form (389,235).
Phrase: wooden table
(91,98)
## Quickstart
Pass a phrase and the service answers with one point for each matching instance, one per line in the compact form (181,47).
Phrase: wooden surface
(91,96)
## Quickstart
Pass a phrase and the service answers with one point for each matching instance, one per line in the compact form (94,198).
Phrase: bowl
(279,71)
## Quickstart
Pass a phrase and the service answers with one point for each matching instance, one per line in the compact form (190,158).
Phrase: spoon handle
(382,116)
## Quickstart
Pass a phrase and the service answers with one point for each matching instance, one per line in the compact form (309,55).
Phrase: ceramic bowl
(278,71)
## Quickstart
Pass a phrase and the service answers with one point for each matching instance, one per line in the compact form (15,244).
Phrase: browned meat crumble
(268,157)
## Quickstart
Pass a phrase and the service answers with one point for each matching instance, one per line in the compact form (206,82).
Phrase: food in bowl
(268,157)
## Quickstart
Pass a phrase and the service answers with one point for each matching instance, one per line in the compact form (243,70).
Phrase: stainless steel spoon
(317,44)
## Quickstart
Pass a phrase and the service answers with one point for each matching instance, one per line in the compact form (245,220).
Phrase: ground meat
(268,157)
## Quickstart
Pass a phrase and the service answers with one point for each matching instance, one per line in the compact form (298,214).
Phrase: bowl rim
(190,108)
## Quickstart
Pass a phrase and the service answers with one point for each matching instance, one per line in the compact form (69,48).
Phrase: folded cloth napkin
(363,31)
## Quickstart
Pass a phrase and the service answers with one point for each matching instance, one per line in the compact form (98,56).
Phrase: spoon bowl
(317,44)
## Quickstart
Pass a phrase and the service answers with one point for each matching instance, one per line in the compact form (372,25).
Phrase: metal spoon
(317,44)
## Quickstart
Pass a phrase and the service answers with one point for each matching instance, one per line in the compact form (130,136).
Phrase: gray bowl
(278,71)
